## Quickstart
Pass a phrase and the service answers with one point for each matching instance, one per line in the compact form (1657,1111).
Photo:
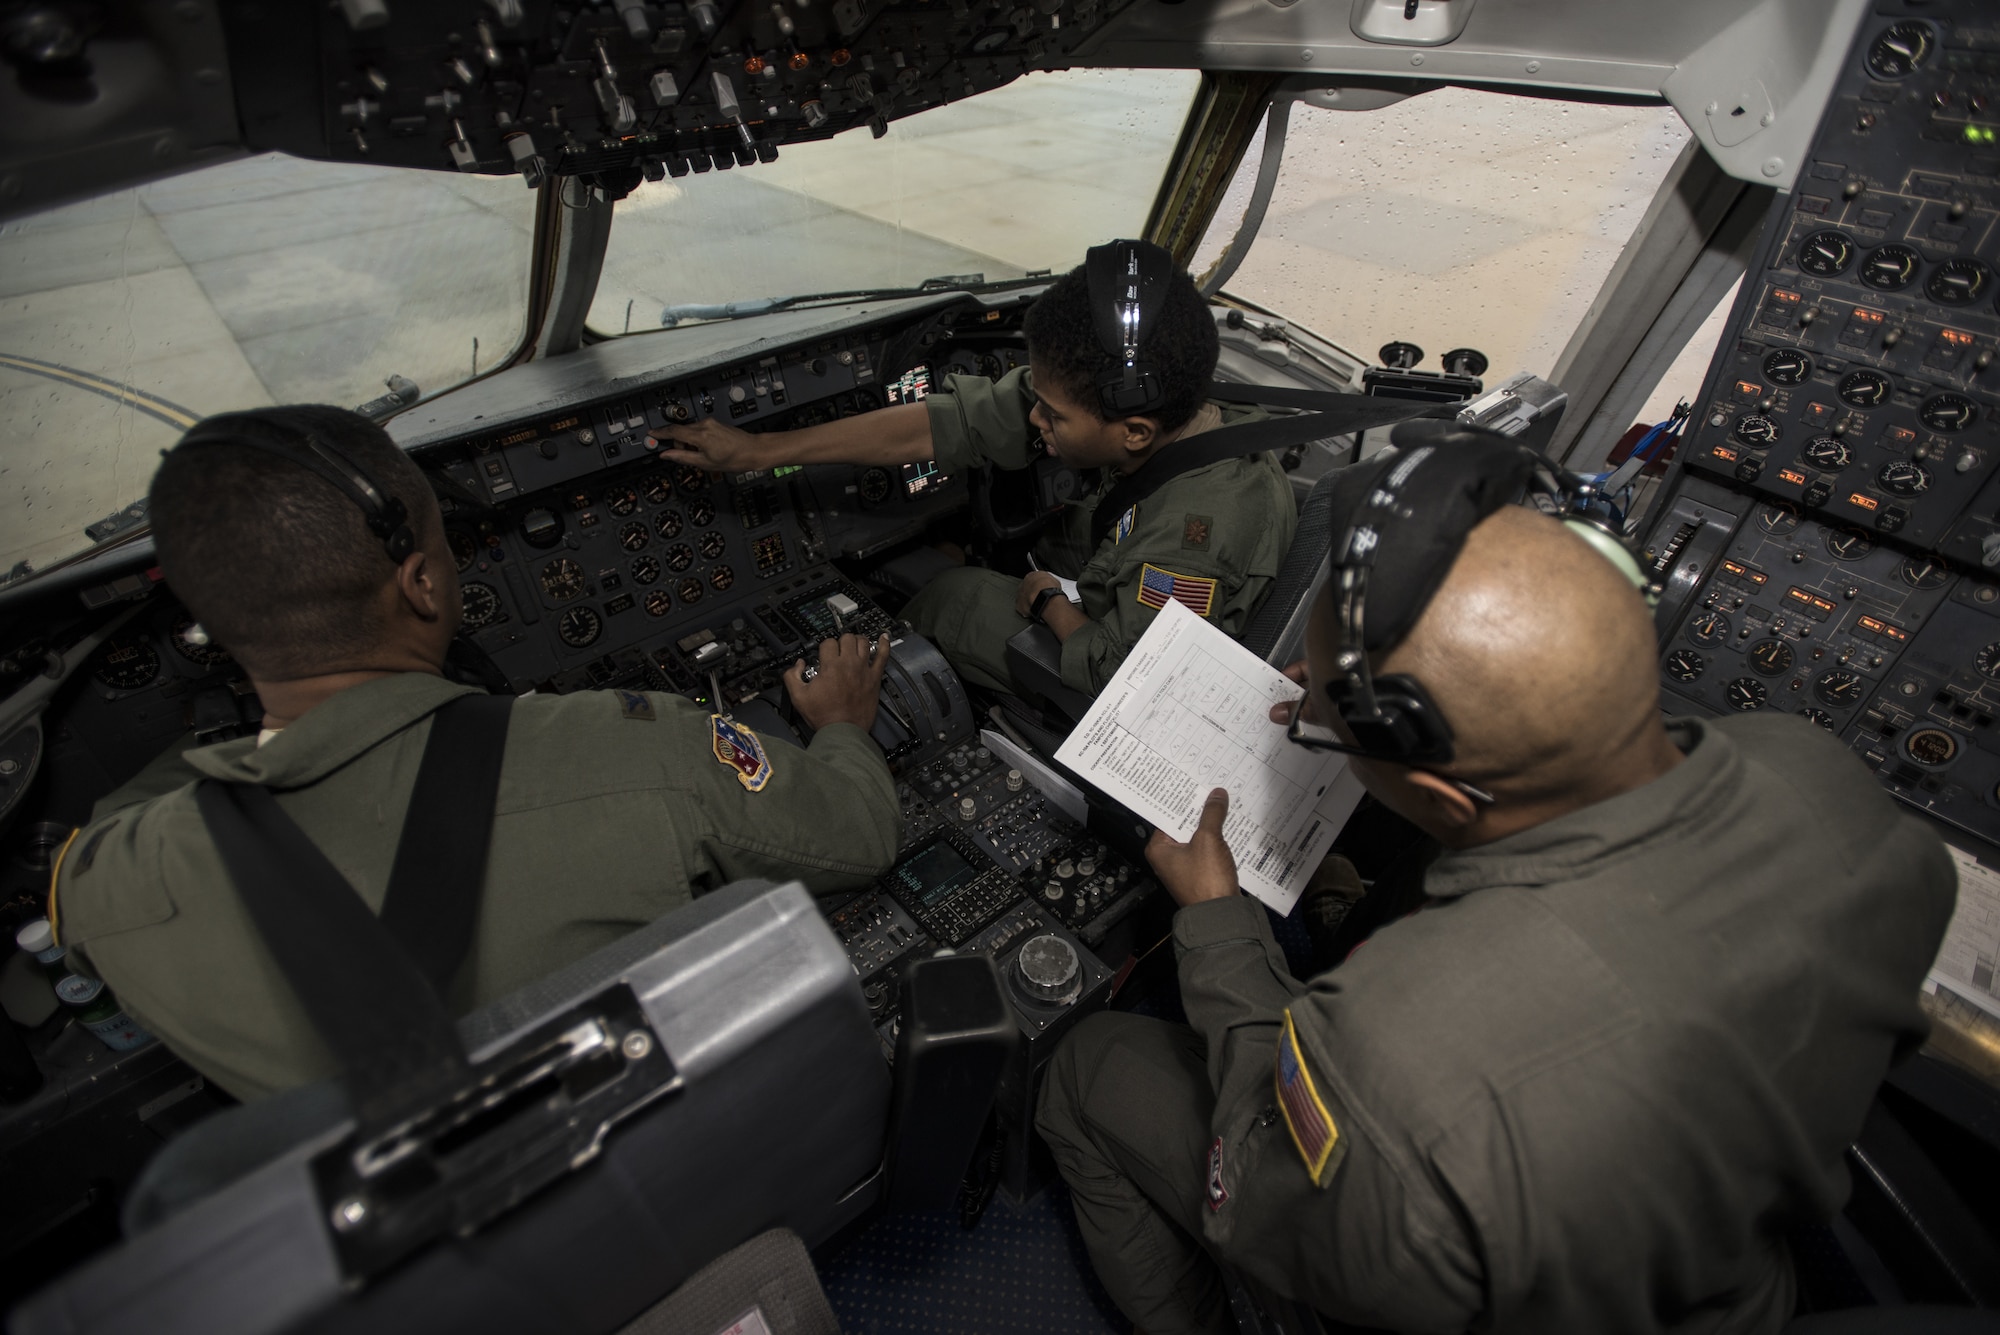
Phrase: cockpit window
(1456,218)
(125,318)
(1024,178)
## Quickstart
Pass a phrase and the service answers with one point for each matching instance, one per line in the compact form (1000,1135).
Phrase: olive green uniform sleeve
(978,421)
(164,773)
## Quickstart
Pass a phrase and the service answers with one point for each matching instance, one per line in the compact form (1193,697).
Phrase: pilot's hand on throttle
(1282,713)
(1202,868)
(709,444)
(848,685)
(1031,584)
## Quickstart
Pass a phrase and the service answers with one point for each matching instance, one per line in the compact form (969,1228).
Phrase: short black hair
(275,562)
(1062,339)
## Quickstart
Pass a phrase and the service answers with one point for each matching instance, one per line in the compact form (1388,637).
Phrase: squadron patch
(635,706)
(1159,587)
(1306,1117)
(1218,1194)
(740,749)
(1125,522)
(1194,531)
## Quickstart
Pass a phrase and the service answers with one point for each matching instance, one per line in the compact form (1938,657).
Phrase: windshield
(1024,178)
(269,280)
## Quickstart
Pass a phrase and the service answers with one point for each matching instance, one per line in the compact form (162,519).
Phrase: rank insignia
(1217,1193)
(635,706)
(1125,522)
(1194,531)
(1159,587)
(740,749)
(1311,1125)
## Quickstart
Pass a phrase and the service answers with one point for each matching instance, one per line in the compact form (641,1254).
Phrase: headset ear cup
(1617,554)
(1410,729)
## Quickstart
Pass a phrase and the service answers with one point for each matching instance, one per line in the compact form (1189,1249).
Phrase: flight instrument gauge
(1948,412)
(721,578)
(659,488)
(1826,253)
(1924,572)
(1709,628)
(562,579)
(1987,660)
(579,626)
(482,604)
(1849,544)
(1779,519)
(679,557)
(1865,389)
(1958,282)
(1745,694)
(1771,657)
(701,513)
(1787,366)
(1899,51)
(1904,478)
(1838,688)
(208,653)
(1827,453)
(464,548)
(622,500)
(1819,716)
(659,602)
(874,486)
(126,665)
(667,523)
(689,590)
(713,544)
(1756,429)
(633,537)
(645,569)
(689,479)
(1890,268)
(1685,665)
(1931,746)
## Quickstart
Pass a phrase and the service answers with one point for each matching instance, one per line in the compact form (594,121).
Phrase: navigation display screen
(935,873)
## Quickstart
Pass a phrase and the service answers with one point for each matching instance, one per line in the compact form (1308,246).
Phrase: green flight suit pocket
(93,899)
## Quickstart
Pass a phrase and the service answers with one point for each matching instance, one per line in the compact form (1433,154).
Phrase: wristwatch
(1042,601)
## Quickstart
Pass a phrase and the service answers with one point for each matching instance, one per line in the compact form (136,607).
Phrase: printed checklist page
(1189,711)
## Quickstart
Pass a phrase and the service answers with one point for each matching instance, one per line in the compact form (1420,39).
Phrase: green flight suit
(1587,1089)
(613,809)
(1223,530)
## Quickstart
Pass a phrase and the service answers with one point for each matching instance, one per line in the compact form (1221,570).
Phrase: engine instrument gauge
(1778,519)
(1924,572)
(1864,389)
(128,664)
(645,569)
(680,556)
(701,513)
(1819,716)
(874,486)
(1826,253)
(689,479)
(1931,746)
(659,602)
(1899,51)
(1838,687)
(1709,628)
(622,500)
(1849,544)
(1757,429)
(667,523)
(482,604)
(634,536)
(579,626)
(1745,694)
(562,579)
(1787,366)
(721,578)
(541,527)
(1890,268)
(1685,665)
(1987,660)
(713,544)
(1771,657)
(464,548)
(689,590)
(1827,453)
(1957,282)
(1948,412)
(659,488)
(208,655)
(1903,477)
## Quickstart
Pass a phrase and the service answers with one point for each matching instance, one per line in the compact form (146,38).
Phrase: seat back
(1277,630)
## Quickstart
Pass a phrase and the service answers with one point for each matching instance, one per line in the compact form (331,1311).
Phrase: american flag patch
(1305,1113)
(1159,587)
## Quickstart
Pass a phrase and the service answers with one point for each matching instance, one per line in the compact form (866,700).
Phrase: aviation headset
(1128,285)
(387,517)
(1405,523)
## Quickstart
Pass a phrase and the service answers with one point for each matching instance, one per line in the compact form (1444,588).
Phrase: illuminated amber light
(799,60)
(840,57)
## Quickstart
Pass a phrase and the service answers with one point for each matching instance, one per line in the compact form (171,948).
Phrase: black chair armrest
(1034,660)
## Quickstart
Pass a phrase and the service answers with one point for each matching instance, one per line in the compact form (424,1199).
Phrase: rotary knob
(1048,971)
(1014,781)
(1065,869)
(968,808)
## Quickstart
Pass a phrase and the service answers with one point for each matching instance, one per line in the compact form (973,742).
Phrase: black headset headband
(386,515)
(1128,285)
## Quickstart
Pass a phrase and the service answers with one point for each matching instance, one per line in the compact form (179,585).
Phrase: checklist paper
(1189,712)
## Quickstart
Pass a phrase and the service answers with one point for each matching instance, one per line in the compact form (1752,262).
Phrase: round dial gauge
(1771,657)
(645,569)
(1756,429)
(701,513)
(1827,453)
(1899,51)
(1903,477)
(689,590)
(126,665)
(542,527)
(1838,687)
(1787,366)
(659,602)
(1957,282)
(633,537)
(622,500)
(1924,572)
(874,486)
(713,544)
(1819,716)
(1745,694)
(680,556)
(688,478)
(1778,519)
(667,523)
(1709,628)
(1685,665)
(1826,253)
(464,548)
(208,654)
(1849,544)
(659,488)
(579,626)
(1948,412)
(1931,746)
(721,578)
(1890,267)
(562,579)
(482,604)
(1864,389)
(1987,660)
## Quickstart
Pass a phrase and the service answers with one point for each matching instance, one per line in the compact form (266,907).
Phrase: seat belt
(374,987)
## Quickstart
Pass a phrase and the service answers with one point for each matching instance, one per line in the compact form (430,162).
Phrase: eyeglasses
(1314,736)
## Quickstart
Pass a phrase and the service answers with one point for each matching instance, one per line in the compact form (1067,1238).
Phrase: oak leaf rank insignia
(1194,531)
(742,750)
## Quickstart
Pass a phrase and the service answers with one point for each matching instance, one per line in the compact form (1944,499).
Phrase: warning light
(1981,134)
